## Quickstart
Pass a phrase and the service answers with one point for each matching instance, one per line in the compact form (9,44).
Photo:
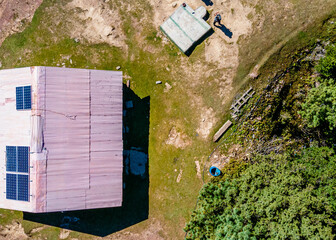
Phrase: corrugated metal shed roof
(76,139)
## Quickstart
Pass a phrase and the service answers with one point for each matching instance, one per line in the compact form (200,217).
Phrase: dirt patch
(154,231)
(15,15)
(64,234)
(96,22)
(35,230)
(207,121)
(13,231)
(179,177)
(222,47)
(198,169)
(178,139)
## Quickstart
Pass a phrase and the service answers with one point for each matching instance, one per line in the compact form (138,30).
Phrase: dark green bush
(319,109)
(280,197)
(327,65)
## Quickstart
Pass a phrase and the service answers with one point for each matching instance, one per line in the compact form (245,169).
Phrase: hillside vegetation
(286,188)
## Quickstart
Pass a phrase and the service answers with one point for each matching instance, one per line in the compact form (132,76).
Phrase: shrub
(279,197)
(319,109)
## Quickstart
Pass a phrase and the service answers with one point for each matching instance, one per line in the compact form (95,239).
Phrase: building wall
(15,129)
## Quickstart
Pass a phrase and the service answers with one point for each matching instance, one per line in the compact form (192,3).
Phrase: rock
(76,40)
(118,67)
(70,61)
(174,5)
(253,75)
(179,176)
(158,82)
(64,234)
(168,87)
(128,83)
(198,169)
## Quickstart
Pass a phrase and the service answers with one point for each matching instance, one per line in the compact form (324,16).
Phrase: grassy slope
(169,202)
(281,19)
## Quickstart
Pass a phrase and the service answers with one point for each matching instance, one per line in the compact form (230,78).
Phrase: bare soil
(153,231)
(96,22)
(13,231)
(15,16)
(178,139)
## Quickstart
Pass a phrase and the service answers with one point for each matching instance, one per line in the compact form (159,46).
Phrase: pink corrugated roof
(82,112)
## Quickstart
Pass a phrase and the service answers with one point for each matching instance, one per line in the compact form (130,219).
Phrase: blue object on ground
(215,171)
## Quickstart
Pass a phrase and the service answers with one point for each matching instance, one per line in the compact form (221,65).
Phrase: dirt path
(255,71)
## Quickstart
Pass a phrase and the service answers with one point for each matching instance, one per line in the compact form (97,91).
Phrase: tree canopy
(319,109)
(279,197)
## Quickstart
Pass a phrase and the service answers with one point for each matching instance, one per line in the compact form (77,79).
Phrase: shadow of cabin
(134,209)
(202,39)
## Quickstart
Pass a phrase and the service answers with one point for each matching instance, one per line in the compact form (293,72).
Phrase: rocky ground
(15,15)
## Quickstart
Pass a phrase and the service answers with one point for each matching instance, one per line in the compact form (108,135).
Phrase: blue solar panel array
(23,97)
(19,98)
(23,187)
(11,186)
(17,183)
(23,159)
(27,97)
(11,158)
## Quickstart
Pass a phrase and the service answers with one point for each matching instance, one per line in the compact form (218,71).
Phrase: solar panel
(11,186)
(19,98)
(11,158)
(27,97)
(23,159)
(23,187)
(17,185)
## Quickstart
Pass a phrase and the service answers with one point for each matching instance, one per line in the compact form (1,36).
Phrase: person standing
(217,19)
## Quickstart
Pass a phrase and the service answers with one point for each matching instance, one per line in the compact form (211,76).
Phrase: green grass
(170,202)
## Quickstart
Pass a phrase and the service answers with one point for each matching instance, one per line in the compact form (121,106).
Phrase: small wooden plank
(222,130)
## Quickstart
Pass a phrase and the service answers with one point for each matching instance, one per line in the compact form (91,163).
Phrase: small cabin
(60,139)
